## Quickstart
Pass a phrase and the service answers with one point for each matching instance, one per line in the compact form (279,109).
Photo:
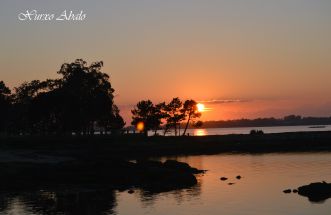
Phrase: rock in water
(156,176)
(224,178)
(181,166)
(238,177)
(287,191)
(316,192)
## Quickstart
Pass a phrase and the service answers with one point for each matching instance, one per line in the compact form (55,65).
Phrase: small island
(316,192)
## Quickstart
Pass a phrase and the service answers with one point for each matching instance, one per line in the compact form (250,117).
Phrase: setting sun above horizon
(201,107)
(241,60)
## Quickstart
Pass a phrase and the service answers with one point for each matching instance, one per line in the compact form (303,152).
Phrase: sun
(201,107)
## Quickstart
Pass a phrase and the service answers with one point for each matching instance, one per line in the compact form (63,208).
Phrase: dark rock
(176,165)
(231,183)
(238,177)
(156,176)
(224,178)
(149,164)
(294,190)
(173,164)
(287,191)
(316,192)
(131,191)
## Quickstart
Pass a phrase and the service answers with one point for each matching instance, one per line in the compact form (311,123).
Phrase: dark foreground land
(103,161)
(138,146)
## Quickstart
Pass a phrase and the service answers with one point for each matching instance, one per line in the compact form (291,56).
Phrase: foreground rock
(316,192)
(157,176)
(114,174)
(181,166)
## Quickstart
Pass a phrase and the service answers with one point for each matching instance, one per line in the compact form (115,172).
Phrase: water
(258,192)
(246,130)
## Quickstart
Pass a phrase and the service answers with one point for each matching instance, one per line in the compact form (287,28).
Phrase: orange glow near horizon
(186,49)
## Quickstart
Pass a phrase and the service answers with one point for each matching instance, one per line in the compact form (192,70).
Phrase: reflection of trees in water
(83,202)
(66,202)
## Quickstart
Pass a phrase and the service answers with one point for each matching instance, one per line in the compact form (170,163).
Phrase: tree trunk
(165,130)
(188,121)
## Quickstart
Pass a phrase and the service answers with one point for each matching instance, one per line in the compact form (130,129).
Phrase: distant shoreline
(290,120)
(261,126)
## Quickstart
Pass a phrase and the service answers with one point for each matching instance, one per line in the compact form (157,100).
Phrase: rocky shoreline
(106,161)
(153,176)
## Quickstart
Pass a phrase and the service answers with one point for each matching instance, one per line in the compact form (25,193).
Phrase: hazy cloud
(222,101)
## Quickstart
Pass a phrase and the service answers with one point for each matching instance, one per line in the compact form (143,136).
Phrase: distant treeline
(290,120)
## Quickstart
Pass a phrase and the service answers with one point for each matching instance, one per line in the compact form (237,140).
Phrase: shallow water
(264,177)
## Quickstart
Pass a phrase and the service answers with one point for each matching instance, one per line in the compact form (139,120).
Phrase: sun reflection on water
(200,132)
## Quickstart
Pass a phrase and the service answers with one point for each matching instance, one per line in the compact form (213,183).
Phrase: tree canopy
(166,116)
(77,102)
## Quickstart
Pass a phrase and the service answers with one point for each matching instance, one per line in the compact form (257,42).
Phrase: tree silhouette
(190,110)
(159,114)
(32,103)
(112,122)
(174,115)
(145,112)
(5,104)
(198,124)
(78,101)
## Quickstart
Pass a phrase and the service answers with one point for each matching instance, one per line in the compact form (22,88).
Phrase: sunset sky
(241,58)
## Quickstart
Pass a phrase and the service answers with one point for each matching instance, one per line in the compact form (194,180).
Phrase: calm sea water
(246,130)
(264,177)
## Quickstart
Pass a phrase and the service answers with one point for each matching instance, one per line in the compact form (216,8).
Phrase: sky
(241,58)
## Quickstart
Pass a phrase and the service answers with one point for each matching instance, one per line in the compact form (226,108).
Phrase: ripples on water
(258,192)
